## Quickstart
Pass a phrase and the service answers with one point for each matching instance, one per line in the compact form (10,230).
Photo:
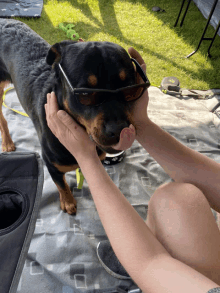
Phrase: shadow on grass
(193,25)
(39,25)
(190,32)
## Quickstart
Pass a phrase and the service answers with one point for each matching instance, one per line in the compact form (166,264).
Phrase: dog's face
(95,65)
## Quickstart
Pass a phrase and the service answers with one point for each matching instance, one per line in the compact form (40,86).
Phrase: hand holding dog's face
(75,138)
(69,132)
(139,111)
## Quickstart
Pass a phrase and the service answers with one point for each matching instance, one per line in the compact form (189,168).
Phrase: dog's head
(95,66)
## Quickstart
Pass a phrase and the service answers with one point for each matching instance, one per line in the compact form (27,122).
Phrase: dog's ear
(55,52)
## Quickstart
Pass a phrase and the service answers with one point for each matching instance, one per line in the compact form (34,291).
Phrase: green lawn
(133,23)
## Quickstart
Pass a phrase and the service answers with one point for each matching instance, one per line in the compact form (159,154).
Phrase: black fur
(31,64)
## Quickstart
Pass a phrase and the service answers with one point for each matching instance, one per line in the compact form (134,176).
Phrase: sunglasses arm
(66,79)
(140,70)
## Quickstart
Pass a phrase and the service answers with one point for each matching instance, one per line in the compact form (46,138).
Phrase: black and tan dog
(75,71)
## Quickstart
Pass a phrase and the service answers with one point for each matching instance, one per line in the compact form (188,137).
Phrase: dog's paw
(7,145)
(68,205)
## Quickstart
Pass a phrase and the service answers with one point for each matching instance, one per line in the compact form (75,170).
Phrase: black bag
(21,184)
(171,86)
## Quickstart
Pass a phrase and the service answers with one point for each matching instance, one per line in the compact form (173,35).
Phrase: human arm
(180,162)
(142,255)
(139,251)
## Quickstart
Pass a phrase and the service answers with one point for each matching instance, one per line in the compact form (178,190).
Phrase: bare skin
(177,249)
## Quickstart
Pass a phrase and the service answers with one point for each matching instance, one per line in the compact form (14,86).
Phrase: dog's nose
(113,129)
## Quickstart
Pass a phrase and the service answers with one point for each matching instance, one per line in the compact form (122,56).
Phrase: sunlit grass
(133,23)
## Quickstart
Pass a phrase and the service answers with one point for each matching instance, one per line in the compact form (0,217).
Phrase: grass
(133,23)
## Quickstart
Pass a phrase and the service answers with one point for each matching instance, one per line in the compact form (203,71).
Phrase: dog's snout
(113,129)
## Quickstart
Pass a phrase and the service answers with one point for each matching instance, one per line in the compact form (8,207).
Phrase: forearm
(182,163)
(131,239)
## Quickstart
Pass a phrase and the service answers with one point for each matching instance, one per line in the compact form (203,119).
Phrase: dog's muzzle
(127,137)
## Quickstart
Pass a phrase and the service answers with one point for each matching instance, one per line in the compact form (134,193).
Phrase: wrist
(91,166)
(85,158)
(142,128)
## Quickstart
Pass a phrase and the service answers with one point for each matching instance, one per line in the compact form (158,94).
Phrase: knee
(179,194)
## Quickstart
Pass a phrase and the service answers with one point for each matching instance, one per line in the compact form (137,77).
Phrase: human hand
(139,111)
(68,131)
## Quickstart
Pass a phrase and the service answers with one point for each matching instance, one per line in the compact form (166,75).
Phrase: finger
(53,105)
(70,123)
(51,113)
(134,54)
(48,97)
(66,119)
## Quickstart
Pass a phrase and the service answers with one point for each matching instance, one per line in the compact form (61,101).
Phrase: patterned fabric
(62,256)
(214,290)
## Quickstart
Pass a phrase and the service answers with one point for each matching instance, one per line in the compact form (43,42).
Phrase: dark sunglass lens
(140,92)
(86,99)
(133,93)
(90,99)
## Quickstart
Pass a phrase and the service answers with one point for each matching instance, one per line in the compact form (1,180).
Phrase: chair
(203,38)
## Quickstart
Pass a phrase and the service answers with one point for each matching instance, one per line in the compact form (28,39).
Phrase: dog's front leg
(67,201)
(7,143)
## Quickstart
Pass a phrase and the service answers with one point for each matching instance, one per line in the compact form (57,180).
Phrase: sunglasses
(94,97)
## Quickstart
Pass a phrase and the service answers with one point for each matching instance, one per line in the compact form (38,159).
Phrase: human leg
(180,217)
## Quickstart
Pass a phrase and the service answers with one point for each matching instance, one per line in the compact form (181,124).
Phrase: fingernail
(61,114)
(132,128)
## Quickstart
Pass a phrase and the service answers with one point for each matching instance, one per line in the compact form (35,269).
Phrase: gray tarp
(22,8)
(62,255)
(205,7)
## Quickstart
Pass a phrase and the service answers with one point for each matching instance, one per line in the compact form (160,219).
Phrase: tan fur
(122,75)
(92,80)
(7,143)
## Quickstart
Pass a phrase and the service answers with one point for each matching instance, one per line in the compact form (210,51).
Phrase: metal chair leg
(216,31)
(207,24)
(181,8)
(187,7)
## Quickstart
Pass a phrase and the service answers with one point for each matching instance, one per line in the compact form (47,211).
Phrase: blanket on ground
(62,255)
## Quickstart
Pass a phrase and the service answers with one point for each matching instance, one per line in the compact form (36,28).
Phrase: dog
(77,72)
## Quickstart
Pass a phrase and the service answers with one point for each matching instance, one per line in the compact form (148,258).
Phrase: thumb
(69,122)
(65,117)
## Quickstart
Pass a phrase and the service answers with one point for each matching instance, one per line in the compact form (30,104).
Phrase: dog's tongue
(127,137)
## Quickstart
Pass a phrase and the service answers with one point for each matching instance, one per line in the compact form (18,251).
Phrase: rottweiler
(96,83)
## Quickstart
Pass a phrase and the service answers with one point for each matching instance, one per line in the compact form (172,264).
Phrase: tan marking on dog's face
(93,127)
(66,106)
(92,79)
(122,75)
